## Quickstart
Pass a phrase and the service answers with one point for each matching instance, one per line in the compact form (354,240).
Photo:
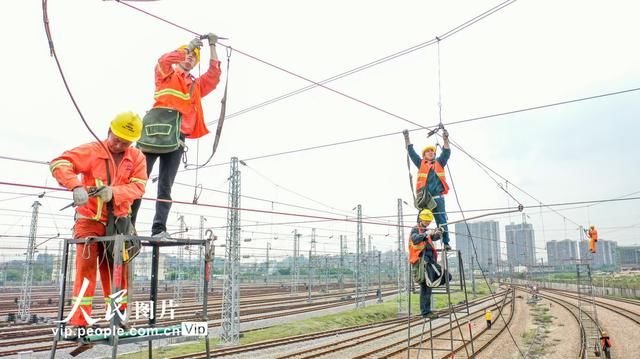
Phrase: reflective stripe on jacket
(423,174)
(174,90)
(88,161)
(415,250)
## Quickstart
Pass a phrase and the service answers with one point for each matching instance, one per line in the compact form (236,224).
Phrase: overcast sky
(528,54)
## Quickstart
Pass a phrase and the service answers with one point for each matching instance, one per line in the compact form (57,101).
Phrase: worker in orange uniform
(487,317)
(605,344)
(177,94)
(116,178)
(593,238)
(421,246)
(431,178)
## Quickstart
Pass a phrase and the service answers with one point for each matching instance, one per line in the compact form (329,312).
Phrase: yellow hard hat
(196,50)
(433,148)
(426,215)
(127,126)
(604,333)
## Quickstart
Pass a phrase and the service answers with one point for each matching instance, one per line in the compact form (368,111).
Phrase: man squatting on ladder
(177,89)
(420,246)
(128,179)
(431,174)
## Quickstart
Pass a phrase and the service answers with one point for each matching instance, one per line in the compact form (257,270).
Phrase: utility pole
(179,277)
(58,268)
(312,261)
(24,308)
(309,278)
(266,275)
(295,271)
(360,263)
(230,333)
(401,284)
(199,288)
(369,261)
(341,275)
(326,270)
(379,279)
(71,275)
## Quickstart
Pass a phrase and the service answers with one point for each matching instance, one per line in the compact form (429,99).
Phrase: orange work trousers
(592,245)
(87,258)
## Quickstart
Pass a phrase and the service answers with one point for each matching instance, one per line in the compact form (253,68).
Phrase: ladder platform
(144,240)
(103,335)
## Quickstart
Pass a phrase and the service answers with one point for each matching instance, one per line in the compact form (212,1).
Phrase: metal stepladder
(588,315)
(152,332)
(457,284)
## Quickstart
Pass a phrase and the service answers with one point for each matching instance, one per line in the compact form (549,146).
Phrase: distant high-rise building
(561,252)
(629,256)
(606,252)
(520,244)
(486,236)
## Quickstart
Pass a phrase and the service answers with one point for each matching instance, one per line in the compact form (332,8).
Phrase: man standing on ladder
(431,179)
(420,247)
(176,114)
(103,197)
(593,238)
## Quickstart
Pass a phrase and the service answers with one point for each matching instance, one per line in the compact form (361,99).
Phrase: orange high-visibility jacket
(88,161)
(174,90)
(416,249)
(593,234)
(423,174)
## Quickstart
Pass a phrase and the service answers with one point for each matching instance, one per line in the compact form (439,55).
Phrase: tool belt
(160,131)
(120,225)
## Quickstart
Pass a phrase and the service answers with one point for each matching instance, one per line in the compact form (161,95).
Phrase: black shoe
(447,247)
(430,315)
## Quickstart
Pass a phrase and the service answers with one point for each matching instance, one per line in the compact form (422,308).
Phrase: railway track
(574,310)
(629,314)
(383,329)
(443,331)
(43,334)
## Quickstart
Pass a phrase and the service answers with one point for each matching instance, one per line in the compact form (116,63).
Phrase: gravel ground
(563,340)
(503,348)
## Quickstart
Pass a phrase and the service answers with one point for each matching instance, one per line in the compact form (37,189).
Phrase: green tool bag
(424,199)
(418,271)
(160,131)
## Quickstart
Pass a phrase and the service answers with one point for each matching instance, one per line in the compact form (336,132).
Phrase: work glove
(80,196)
(195,43)
(405,133)
(445,134)
(105,193)
(212,38)
(436,234)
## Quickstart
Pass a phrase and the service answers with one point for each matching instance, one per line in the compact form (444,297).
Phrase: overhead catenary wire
(379,61)
(394,133)
(52,50)
(346,219)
